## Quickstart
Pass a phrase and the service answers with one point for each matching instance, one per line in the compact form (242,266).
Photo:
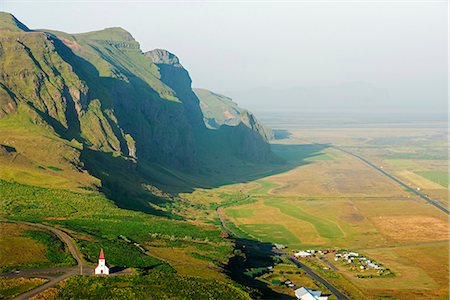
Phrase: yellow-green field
(17,249)
(330,199)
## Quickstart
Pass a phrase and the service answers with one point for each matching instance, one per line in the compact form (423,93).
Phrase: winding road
(54,275)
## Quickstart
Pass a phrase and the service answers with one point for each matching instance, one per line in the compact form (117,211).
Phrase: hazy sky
(230,45)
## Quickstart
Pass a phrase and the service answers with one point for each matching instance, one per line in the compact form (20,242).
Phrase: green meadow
(99,223)
(152,286)
(271,233)
(324,227)
(435,176)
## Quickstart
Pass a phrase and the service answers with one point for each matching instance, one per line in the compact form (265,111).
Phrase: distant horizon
(399,47)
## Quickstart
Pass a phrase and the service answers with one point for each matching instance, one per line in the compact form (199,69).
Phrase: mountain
(219,110)
(112,112)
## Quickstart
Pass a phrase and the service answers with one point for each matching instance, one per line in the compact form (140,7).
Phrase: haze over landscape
(288,55)
(224,150)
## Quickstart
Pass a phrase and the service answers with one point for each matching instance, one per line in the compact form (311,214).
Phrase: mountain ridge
(119,105)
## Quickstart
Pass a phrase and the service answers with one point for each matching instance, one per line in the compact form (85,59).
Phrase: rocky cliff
(219,110)
(100,89)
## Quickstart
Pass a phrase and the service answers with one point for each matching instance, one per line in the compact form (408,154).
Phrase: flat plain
(331,199)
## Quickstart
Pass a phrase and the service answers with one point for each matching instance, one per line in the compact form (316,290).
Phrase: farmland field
(330,199)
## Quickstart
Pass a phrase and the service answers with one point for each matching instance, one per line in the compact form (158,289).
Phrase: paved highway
(412,190)
(307,270)
(313,275)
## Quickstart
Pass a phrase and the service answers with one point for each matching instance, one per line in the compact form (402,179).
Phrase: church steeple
(102,268)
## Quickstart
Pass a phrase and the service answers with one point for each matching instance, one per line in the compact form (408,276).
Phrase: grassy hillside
(154,286)
(98,138)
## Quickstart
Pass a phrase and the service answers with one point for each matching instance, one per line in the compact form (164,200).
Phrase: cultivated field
(330,199)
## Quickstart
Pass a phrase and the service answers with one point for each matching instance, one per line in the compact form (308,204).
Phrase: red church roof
(102,256)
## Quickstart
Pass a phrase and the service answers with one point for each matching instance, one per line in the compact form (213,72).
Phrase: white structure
(101,268)
(302,254)
(279,246)
(307,294)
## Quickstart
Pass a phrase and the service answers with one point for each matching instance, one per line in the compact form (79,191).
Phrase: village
(363,266)
(344,261)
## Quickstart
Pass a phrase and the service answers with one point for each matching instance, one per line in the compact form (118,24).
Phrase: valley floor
(323,198)
(331,199)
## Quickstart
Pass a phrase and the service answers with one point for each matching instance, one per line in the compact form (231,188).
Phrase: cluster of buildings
(354,259)
(309,253)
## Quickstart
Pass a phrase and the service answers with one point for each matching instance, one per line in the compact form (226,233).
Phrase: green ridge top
(9,22)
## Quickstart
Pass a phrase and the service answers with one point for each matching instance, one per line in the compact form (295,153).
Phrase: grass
(56,250)
(24,247)
(153,286)
(324,227)
(54,168)
(270,233)
(98,223)
(348,205)
(17,249)
(435,176)
(240,213)
(264,187)
(11,287)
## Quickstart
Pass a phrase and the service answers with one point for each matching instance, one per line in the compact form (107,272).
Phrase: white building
(302,254)
(279,246)
(307,294)
(101,268)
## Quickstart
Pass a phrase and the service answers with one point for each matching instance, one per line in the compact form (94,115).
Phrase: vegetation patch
(264,187)
(324,227)
(270,233)
(240,213)
(56,250)
(435,176)
(11,287)
(54,168)
(152,286)
(92,215)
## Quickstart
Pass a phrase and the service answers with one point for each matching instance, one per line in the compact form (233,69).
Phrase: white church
(101,268)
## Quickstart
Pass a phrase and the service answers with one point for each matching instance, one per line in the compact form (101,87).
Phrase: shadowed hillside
(127,118)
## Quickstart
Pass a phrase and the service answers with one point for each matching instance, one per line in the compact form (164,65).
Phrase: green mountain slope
(120,116)
(101,139)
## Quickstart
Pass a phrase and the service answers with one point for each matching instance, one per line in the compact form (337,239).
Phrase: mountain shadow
(152,188)
(252,254)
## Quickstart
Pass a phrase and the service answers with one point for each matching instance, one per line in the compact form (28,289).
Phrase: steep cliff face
(220,110)
(99,89)
(245,138)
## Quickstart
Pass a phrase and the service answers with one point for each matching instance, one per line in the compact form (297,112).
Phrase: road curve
(66,272)
(63,237)
(424,197)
